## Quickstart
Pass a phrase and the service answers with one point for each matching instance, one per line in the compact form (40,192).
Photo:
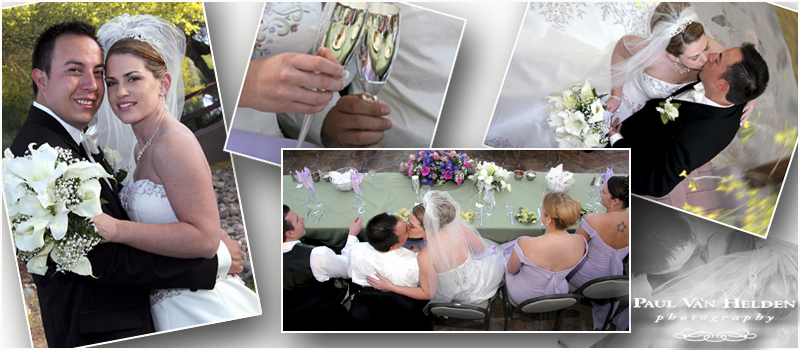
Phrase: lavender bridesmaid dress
(602,261)
(533,281)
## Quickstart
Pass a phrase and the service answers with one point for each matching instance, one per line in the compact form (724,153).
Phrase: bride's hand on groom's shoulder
(282,83)
(748,109)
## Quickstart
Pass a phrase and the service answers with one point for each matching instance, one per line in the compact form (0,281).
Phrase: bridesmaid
(608,236)
(537,266)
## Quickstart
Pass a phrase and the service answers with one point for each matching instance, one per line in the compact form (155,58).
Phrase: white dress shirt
(325,264)
(398,265)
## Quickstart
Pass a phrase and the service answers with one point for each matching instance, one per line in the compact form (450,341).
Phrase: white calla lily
(40,171)
(90,205)
(38,264)
(85,170)
(586,91)
(576,125)
(592,140)
(59,222)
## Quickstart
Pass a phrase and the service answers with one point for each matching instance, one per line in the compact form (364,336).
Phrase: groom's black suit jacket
(80,310)
(660,152)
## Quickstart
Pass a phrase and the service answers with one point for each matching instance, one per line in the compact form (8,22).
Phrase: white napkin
(560,177)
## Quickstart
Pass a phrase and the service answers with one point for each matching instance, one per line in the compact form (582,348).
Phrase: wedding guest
(416,229)
(537,266)
(384,254)
(312,290)
(608,236)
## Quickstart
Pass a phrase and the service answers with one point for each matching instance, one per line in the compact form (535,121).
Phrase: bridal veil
(170,43)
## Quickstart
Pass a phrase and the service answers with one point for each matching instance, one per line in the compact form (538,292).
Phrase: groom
(81,310)
(708,119)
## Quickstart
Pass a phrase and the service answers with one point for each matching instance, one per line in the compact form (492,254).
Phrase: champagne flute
(341,33)
(415,185)
(378,48)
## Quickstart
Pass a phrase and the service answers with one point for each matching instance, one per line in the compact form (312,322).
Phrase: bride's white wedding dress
(146,201)
(474,281)
(559,45)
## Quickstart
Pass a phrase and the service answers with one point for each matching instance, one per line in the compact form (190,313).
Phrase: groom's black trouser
(374,310)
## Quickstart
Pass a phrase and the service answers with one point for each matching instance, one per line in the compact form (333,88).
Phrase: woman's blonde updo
(564,210)
(152,60)
(689,35)
(419,213)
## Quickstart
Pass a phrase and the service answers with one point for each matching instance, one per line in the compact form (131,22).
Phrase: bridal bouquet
(494,176)
(578,117)
(51,198)
(436,167)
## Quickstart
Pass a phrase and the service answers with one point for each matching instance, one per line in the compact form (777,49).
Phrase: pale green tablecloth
(394,190)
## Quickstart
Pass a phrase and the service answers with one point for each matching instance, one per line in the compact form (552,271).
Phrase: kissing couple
(164,263)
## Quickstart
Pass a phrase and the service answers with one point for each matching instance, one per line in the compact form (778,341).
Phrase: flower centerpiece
(51,198)
(495,177)
(434,168)
(579,118)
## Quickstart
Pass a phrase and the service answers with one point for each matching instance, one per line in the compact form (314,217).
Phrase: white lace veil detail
(170,43)
(450,242)
(654,45)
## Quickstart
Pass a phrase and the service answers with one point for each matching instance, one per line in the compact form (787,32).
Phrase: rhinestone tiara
(681,27)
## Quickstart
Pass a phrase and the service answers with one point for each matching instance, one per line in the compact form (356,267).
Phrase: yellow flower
(746,124)
(683,174)
(693,209)
(638,4)
(693,186)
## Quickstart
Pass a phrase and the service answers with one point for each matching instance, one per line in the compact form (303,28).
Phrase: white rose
(569,141)
(592,140)
(672,112)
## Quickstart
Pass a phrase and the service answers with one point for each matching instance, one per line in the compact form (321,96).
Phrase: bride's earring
(679,70)
(165,100)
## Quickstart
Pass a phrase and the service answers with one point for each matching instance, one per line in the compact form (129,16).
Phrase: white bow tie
(699,92)
(92,136)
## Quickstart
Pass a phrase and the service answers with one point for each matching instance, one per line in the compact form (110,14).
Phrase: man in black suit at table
(708,119)
(114,304)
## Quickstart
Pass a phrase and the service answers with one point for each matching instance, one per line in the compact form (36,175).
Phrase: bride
(669,56)
(456,264)
(673,54)
(171,189)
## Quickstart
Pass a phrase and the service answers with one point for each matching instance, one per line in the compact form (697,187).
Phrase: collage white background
(488,40)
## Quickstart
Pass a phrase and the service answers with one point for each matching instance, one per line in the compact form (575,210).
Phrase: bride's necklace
(681,70)
(141,151)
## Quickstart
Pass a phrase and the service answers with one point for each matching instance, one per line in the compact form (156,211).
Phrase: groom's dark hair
(287,225)
(43,51)
(380,232)
(747,78)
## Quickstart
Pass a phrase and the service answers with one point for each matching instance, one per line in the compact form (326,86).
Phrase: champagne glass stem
(304,130)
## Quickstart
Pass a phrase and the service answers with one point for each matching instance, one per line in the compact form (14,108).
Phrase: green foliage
(23,24)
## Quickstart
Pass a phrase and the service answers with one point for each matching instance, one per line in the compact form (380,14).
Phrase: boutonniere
(668,110)
(114,164)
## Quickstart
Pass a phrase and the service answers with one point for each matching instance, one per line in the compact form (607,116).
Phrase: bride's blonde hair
(693,32)
(152,60)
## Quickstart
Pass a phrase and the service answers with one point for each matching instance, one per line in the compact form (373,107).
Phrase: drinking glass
(341,33)
(313,204)
(488,198)
(479,203)
(415,185)
(371,173)
(378,48)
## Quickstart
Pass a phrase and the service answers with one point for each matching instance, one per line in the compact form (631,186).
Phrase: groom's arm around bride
(708,119)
